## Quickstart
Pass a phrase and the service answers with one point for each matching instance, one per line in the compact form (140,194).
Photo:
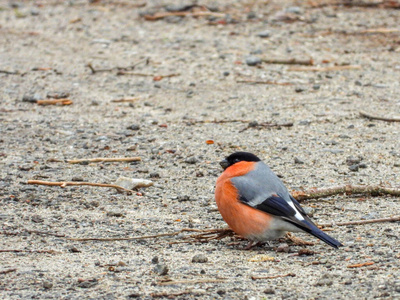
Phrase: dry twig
(68,183)
(27,251)
(325,69)
(173,295)
(162,15)
(289,61)
(267,125)
(7,271)
(54,102)
(347,189)
(349,3)
(368,263)
(171,281)
(10,72)
(94,71)
(273,276)
(263,82)
(103,159)
(33,231)
(373,117)
(123,100)
(362,222)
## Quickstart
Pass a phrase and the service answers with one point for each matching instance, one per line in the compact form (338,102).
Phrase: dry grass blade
(273,276)
(7,271)
(346,189)
(374,117)
(103,159)
(63,184)
(325,69)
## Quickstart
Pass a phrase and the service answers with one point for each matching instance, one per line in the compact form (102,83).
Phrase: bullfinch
(256,204)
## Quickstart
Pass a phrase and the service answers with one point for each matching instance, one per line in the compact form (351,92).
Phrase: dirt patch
(186,107)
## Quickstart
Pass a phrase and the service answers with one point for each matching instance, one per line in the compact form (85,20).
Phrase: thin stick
(7,271)
(125,239)
(94,71)
(10,72)
(131,100)
(173,295)
(263,82)
(267,125)
(347,189)
(139,237)
(368,263)
(155,77)
(27,251)
(68,183)
(362,222)
(380,30)
(325,69)
(273,276)
(54,102)
(169,282)
(289,61)
(374,117)
(33,231)
(103,159)
(161,15)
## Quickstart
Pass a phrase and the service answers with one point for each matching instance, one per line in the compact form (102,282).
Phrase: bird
(256,205)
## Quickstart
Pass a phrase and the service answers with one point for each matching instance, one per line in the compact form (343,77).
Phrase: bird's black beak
(224,164)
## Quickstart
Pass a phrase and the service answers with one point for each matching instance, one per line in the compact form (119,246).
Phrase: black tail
(315,231)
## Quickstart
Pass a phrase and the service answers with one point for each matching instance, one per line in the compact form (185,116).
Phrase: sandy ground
(45,47)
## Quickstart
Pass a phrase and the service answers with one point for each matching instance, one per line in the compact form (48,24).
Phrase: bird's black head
(237,157)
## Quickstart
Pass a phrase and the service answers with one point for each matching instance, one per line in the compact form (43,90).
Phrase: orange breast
(244,220)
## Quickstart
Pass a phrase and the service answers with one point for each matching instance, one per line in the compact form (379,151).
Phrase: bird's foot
(252,244)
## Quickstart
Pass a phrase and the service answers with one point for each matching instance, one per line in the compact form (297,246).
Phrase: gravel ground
(45,50)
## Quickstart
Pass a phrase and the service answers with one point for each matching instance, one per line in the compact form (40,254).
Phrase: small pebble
(161,269)
(298,161)
(294,10)
(283,248)
(351,160)
(115,214)
(47,284)
(73,249)
(183,198)
(199,258)
(316,87)
(154,175)
(37,219)
(154,260)
(309,210)
(226,73)
(354,168)
(58,95)
(299,89)
(221,292)
(133,127)
(264,34)
(192,160)
(323,282)
(77,178)
(253,60)
(32,98)
(87,283)
(269,291)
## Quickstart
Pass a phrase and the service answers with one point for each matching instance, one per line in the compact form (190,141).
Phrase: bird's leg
(251,245)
